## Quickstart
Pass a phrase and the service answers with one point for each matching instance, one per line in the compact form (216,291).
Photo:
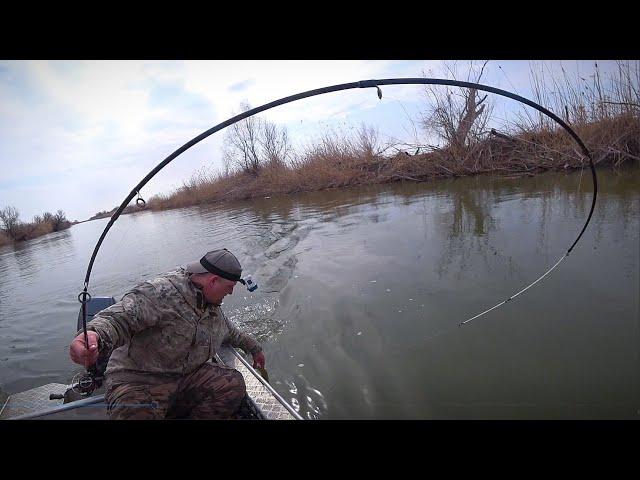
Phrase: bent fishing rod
(84,295)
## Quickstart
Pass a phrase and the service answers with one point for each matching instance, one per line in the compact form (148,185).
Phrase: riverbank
(12,230)
(39,227)
(613,142)
(29,232)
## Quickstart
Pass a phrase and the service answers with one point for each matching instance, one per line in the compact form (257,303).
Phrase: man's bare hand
(79,352)
(258,360)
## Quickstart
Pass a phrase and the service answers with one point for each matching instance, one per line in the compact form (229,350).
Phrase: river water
(361,291)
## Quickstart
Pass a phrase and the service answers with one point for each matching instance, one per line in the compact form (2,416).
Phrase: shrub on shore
(338,161)
(4,239)
(259,160)
(13,230)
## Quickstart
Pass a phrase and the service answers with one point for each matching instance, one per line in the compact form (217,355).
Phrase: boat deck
(35,404)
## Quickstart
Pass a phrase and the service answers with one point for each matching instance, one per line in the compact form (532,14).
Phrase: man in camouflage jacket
(159,339)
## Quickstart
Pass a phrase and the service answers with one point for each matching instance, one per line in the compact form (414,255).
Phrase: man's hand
(79,352)
(258,359)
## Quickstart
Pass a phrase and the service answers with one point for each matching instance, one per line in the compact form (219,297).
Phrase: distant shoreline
(613,143)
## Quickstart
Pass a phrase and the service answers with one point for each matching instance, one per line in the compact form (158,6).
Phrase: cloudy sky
(79,135)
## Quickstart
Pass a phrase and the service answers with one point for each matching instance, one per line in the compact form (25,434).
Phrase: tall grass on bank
(605,113)
(339,161)
(583,100)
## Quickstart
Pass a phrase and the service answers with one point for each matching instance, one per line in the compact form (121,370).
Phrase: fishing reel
(85,383)
(82,386)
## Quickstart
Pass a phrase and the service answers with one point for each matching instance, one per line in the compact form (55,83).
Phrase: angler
(159,339)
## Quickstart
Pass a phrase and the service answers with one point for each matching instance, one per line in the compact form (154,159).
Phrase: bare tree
(9,218)
(253,142)
(471,112)
(241,143)
(275,144)
(226,162)
(458,116)
(60,221)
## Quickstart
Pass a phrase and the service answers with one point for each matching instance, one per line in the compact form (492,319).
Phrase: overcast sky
(79,135)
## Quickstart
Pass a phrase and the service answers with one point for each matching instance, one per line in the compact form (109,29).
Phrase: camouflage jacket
(160,329)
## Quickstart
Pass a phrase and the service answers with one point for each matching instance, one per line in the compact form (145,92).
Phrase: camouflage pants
(210,392)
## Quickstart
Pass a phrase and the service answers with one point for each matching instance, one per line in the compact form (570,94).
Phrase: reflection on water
(356,286)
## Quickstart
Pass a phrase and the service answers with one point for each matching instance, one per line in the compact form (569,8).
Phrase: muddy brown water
(361,291)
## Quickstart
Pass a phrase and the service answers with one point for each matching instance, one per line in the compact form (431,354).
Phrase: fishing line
(117,249)
(84,294)
(514,89)
(508,80)
(415,132)
(451,329)
(580,181)
(516,294)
